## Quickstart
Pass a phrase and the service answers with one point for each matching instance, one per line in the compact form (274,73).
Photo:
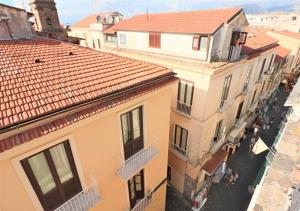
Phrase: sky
(71,11)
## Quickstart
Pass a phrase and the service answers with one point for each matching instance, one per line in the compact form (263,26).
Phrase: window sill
(182,113)
(177,153)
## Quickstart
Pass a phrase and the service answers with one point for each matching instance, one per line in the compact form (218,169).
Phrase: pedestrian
(228,173)
(255,130)
(251,145)
(231,178)
(235,177)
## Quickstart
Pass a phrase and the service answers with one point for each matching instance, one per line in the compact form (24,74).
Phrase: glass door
(136,188)
(132,129)
(53,175)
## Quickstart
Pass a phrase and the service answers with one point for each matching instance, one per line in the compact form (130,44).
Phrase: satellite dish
(98,19)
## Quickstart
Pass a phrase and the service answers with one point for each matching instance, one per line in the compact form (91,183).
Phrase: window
(262,67)
(243,37)
(136,188)
(154,40)
(271,62)
(132,131)
(225,90)
(93,42)
(294,18)
(196,43)
(262,88)
(253,97)
(180,140)
(218,131)
(239,111)
(248,77)
(111,38)
(99,44)
(49,22)
(185,96)
(122,38)
(53,175)
(203,43)
(238,38)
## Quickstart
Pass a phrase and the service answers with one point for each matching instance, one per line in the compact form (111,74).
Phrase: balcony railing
(132,165)
(234,53)
(224,105)
(143,203)
(84,200)
(184,108)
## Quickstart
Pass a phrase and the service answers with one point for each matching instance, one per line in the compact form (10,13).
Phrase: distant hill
(275,7)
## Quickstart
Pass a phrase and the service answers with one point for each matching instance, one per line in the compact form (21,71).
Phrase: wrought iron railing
(135,163)
(184,108)
(84,200)
(142,204)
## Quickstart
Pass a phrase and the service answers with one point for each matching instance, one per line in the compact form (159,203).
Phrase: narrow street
(235,197)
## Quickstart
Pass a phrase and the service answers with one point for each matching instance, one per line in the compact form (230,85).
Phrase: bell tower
(46,17)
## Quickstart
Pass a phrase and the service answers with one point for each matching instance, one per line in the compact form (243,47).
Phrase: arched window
(49,22)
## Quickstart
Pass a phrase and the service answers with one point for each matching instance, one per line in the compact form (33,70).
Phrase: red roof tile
(289,34)
(33,133)
(281,53)
(40,76)
(201,21)
(211,165)
(257,40)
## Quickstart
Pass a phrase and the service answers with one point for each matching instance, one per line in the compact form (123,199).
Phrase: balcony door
(132,130)
(136,188)
(53,175)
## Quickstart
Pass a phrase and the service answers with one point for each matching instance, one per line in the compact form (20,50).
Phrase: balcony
(224,105)
(234,53)
(184,108)
(135,163)
(83,201)
(143,203)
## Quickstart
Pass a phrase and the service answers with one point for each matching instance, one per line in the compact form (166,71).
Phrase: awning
(236,131)
(211,165)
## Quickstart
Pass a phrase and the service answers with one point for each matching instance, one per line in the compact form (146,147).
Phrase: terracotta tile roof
(31,134)
(91,19)
(201,21)
(281,53)
(211,165)
(257,40)
(41,76)
(289,34)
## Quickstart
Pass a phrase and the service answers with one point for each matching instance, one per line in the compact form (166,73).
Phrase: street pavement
(235,197)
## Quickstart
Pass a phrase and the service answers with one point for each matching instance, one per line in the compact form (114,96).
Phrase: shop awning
(236,131)
(211,165)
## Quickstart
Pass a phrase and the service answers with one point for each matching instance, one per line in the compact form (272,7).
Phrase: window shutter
(151,40)
(196,43)
(157,41)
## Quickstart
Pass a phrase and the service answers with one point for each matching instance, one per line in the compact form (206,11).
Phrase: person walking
(251,145)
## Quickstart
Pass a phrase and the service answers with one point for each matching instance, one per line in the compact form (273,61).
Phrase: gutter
(51,116)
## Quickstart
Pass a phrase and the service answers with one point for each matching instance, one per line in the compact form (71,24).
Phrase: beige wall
(289,43)
(88,35)
(171,44)
(96,144)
